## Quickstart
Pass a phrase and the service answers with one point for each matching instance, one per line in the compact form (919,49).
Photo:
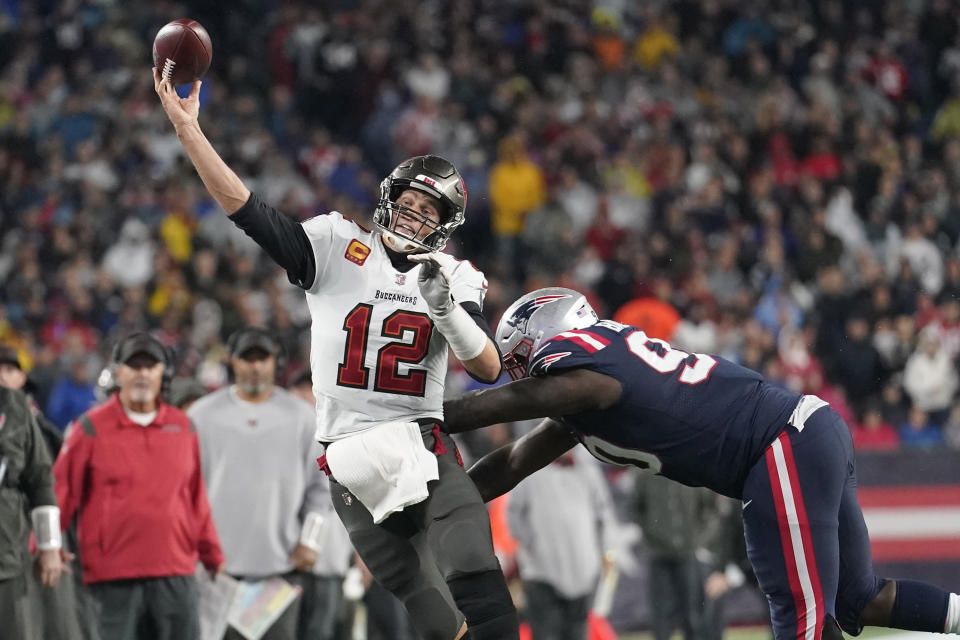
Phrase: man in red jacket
(130,470)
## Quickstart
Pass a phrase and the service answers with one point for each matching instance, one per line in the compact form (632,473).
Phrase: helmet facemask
(517,360)
(408,241)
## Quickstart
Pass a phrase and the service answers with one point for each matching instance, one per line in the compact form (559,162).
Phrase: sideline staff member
(25,482)
(130,469)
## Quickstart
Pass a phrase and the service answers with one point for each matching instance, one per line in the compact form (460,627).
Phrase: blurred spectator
(696,332)
(516,188)
(858,365)
(671,516)
(654,315)
(919,431)
(562,519)
(73,392)
(137,458)
(272,523)
(951,430)
(129,262)
(873,433)
(322,600)
(930,378)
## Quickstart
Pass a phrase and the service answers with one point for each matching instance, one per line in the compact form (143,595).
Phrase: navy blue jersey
(694,418)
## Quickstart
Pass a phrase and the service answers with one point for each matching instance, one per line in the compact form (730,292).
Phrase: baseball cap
(9,355)
(253,338)
(139,343)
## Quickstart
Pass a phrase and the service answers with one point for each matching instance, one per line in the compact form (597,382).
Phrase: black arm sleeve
(473,309)
(282,237)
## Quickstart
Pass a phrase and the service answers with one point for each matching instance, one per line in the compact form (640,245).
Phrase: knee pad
(486,603)
(463,543)
(831,630)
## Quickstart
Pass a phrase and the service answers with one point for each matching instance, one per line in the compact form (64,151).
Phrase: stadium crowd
(776,182)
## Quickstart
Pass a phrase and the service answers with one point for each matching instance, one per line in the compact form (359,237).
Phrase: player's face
(139,379)
(254,371)
(408,223)
(12,377)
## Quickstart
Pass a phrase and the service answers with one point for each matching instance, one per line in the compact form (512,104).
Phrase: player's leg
(865,599)
(171,604)
(664,588)
(389,552)
(544,610)
(457,528)
(790,504)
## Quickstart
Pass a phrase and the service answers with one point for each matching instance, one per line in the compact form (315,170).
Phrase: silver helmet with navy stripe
(534,319)
(434,176)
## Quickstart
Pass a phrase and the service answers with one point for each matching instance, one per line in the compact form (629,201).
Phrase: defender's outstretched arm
(499,471)
(562,394)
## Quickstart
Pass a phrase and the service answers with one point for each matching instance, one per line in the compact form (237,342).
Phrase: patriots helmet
(435,176)
(535,318)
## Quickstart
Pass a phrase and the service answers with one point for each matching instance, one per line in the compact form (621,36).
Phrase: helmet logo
(429,181)
(521,317)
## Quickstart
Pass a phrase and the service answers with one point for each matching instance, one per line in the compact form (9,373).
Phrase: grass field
(759,633)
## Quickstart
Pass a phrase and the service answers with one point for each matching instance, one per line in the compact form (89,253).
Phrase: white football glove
(466,339)
(436,271)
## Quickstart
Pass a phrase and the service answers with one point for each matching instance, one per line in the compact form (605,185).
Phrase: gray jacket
(562,519)
(27,481)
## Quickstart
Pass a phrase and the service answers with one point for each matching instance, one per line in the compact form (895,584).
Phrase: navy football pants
(805,533)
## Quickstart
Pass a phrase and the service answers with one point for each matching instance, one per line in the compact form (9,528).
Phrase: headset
(281,352)
(169,359)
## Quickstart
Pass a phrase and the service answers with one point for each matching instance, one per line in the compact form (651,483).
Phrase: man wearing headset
(269,501)
(130,470)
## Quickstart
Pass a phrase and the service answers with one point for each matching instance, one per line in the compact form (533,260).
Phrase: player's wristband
(46,527)
(313,531)
(463,335)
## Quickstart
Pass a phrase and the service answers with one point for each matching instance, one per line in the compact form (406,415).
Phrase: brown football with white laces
(182,51)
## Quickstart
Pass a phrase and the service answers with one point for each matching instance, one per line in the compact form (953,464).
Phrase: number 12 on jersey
(352,372)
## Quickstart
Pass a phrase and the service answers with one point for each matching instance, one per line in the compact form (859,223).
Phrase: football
(182,51)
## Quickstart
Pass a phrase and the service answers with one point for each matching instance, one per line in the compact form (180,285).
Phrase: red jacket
(139,495)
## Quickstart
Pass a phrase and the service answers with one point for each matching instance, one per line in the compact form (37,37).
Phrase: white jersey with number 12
(374,353)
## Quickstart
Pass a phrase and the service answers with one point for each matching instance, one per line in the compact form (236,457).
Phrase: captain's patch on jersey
(357,252)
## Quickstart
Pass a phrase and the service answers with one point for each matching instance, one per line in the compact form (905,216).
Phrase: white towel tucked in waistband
(387,467)
(804,409)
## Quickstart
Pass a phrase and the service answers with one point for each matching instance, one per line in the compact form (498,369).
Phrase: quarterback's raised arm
(499,471)
(562,394)
(281,237)
(223,184)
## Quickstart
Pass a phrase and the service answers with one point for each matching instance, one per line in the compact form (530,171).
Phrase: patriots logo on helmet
(521,317)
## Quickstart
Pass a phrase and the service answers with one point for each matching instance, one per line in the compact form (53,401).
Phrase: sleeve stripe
(589,341)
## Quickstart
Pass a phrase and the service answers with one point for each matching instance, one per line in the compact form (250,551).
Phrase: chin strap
(46,527)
